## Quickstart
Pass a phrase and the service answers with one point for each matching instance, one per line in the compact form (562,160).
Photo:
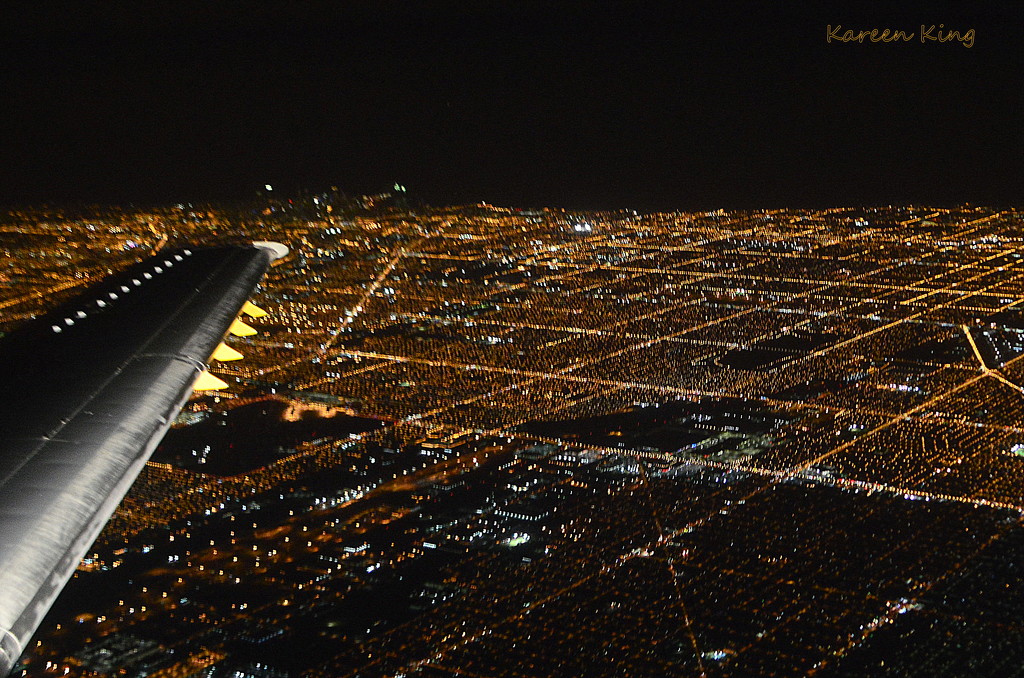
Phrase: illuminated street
(566,412)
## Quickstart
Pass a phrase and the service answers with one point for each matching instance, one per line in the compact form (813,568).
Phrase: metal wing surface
(88,391)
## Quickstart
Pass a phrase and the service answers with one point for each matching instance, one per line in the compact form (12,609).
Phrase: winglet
(276,249)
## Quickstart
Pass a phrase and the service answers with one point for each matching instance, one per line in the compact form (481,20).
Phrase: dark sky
(585,105)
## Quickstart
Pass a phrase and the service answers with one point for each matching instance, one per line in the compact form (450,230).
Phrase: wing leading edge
(90,390)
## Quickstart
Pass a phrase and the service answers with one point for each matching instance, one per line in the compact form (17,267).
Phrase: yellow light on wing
(253,311)
(208,382)
(225,353)
(240,329)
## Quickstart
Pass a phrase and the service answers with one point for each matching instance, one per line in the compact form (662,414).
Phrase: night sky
(579,105)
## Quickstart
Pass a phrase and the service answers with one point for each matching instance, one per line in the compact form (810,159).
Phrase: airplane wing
(88,392)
